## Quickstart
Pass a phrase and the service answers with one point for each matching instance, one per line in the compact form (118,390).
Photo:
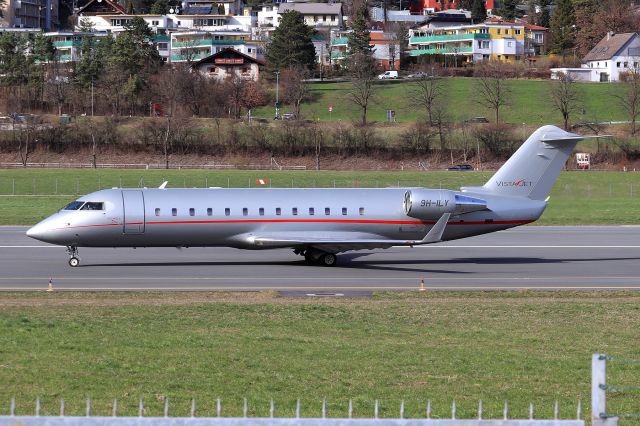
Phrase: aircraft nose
(36,232)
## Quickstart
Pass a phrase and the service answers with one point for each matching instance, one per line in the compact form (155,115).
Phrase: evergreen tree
(291,43)
(478,11)
(465,4)
(563,25)
(359,39)
(508,9)
(160,7)
(544,19)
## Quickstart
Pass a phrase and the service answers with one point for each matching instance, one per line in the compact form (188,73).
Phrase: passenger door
(133,203)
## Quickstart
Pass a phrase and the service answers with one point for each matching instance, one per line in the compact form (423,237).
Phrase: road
(602,257)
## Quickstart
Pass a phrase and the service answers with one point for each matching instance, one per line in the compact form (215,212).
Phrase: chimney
(610,34)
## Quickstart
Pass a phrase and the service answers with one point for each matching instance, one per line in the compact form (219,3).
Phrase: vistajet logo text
(521,182)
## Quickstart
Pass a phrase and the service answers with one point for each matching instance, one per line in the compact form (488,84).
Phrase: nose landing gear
(73,252)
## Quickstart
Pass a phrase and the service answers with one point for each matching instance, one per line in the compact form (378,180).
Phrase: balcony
(448,37)
(194,57)
(64,58)
(67,43)
(207,42)
(339,40)
(444,51)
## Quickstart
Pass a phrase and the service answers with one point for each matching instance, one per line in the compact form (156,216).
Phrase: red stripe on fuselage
(341,221)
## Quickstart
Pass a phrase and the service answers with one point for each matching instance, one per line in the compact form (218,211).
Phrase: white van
(388,75)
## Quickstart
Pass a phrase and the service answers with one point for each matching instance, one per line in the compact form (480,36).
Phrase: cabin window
(157,212)
(93,206)
(278,211)
(344,211)
(227,211)
(209,211)
(261,211)
(245,211)
(74,205)
(192,211)
(294,211)
(361,211)
(311,211)
(327,211)
(174,212)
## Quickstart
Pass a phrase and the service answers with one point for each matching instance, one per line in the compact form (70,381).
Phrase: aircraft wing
(339,241)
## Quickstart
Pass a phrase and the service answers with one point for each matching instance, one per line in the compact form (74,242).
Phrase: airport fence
(430,419)
(73,186)
(600,413)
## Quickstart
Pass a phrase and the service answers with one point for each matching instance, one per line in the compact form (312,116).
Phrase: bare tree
(294,89)
(362,88)
(58,85)
(565,97)
(167,88)
(630,99)
(491,88)
(427,93)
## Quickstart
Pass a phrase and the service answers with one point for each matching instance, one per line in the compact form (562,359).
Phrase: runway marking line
(239,289)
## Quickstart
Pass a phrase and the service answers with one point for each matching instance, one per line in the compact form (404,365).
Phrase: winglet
(164,184)
(435,233)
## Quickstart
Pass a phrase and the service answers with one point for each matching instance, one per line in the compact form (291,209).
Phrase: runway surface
(602,257)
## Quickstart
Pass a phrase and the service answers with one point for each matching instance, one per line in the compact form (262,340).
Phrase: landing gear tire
(308,258)
(74,261)
(328,259)
(73,253)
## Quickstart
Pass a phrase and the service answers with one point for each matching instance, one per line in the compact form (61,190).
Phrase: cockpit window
(90,205)
(74,205)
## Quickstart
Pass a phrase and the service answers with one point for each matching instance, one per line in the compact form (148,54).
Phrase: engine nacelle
(429,204)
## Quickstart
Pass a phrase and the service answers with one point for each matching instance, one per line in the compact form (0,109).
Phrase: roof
(609,46)
(100,7)
(312,8)
(227,53)
(532,27)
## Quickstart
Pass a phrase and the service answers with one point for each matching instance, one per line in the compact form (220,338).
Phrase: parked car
(419,74)
(477,120)
(289,116)
(460,168)
(387,75)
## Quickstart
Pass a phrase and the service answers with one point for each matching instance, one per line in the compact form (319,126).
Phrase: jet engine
(428,204)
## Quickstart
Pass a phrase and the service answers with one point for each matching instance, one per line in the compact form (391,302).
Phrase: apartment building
(471,43)
(190,46)
(68,44)
(385,48)
(30,14)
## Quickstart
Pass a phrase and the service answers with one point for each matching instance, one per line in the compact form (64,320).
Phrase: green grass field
(578,198)
(518,346)
(529,102)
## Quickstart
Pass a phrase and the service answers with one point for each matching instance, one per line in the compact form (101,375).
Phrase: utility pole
(277,73)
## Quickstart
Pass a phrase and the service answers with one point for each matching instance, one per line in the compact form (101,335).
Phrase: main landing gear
(73,252)
(318,257)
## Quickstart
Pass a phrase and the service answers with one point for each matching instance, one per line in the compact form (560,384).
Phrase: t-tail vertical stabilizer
(534,167)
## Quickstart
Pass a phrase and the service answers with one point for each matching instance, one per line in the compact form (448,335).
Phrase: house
(613,55)
(425,7)
(536,37)
(228,63)
(500,41)
(188,46)
(386,48)
(68,44)
(321,16)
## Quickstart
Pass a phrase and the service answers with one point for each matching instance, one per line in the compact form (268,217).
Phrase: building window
(344,211)
(227,211)
(486,31)
(155,23)
(618,64)
(163,46)
(517,32)
(506,31)
(174,212)
(626,65)
(499,31)
(157,212)
(324,18)
(509,44)
(209,211)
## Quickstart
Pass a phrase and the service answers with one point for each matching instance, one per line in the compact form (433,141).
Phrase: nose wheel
(73,252)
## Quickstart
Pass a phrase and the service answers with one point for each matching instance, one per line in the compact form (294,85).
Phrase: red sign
(229,61)
(330,108)
(262,181)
